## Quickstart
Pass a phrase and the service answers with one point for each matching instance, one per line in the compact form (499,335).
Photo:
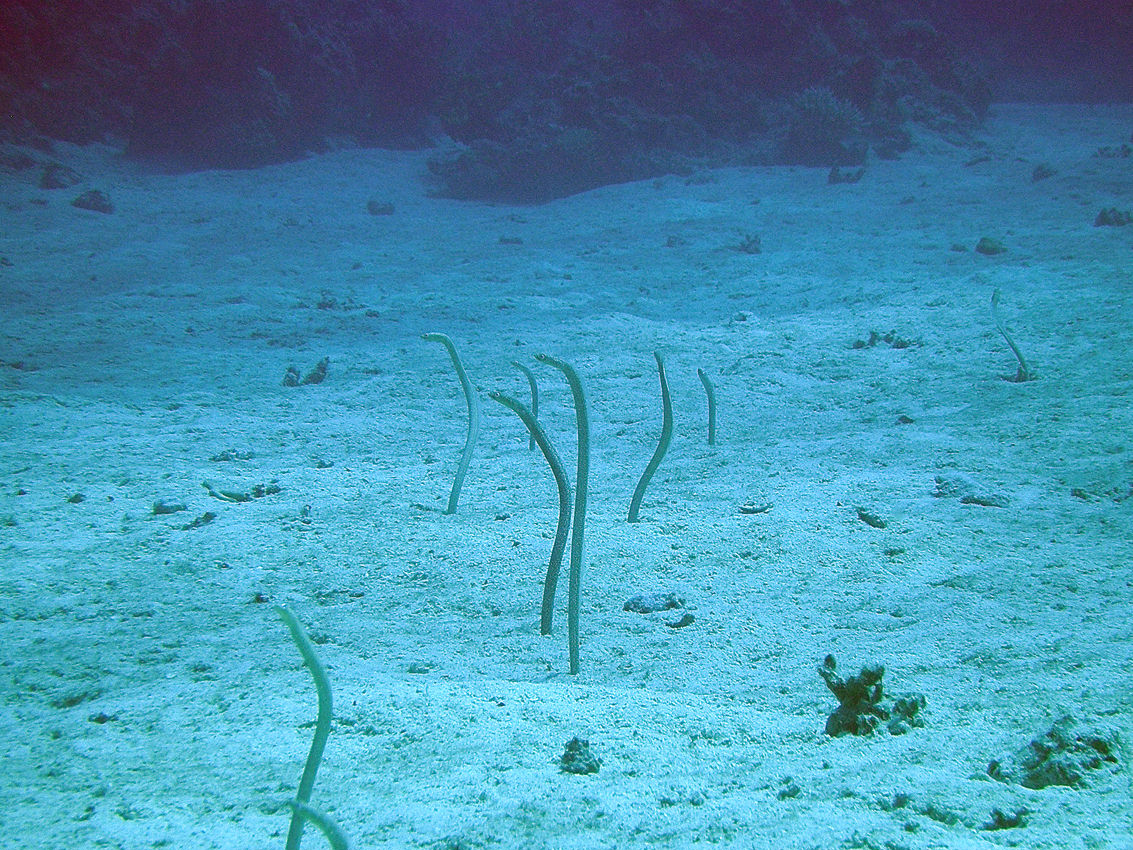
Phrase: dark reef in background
(216,83)
(631,89)
(544,97)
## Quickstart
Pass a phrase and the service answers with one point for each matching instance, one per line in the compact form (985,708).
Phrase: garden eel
(322,725)
(473,417)
(1023,373)
(710,391)
(534,396)
(582,422)
(540,438)
(662,446)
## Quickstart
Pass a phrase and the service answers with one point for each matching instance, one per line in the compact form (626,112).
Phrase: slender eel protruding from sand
(473,418)
(322,724)
(1023,373)
(662,446)
(582,422)
(534,396)
(540,438)
(335,836)
(710,392)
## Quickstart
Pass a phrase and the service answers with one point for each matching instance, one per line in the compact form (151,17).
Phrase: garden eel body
(662,446)
(540,438)
(1023,373)
(534,397)
(473,417)
(582,422)
(322,724)
(334,834)
(709,391)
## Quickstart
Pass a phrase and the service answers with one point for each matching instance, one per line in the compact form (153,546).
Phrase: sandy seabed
(152,698)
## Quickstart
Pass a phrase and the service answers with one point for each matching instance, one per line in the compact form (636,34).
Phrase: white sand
(138,345)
